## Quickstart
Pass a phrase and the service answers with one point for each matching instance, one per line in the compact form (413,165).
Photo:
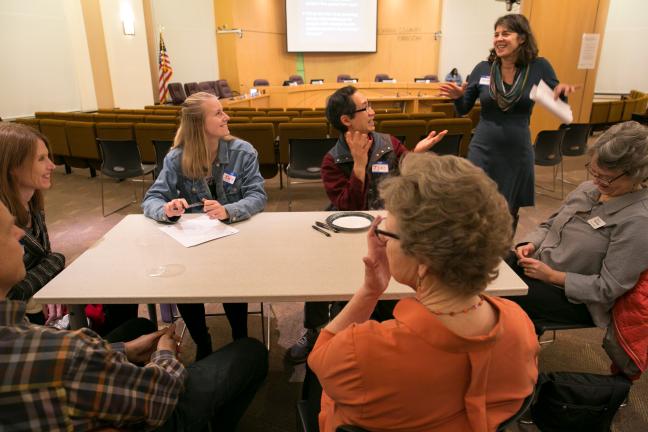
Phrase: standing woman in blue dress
(501,145)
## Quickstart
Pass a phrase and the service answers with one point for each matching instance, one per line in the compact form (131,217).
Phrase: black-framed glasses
(603,180)
(365,108)
(384,233)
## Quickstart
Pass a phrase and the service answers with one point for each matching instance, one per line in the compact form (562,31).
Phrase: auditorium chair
(115,131)
(159,119)
(599,114)
(296,78)
(426,116)
(260,82)
(145,133)
(129,118)
(206,87)
(458,138)
(382,77)
(54,130)
(447,108)
(191,88)
(313,113)
(224,89)
(262,137)
(82,140)
(409,132)
(31,122)
(177,93)
(105,117)
(317,119)
(616,110)
(275,120)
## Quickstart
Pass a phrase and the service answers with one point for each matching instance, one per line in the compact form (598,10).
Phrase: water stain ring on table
(350,221)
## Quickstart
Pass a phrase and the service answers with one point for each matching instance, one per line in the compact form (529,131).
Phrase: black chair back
(449,145)
(306,156)
(161,147)
(121,158)
(548,147)
(575,140)
(177,93)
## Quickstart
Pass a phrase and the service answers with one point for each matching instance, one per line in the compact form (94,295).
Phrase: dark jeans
(546,301)
(36,318)
(118,314)
(220,387)
(131,329)
(316,314)
(194,317)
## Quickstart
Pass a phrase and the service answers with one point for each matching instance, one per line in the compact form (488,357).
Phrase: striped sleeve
(37,277)
(103,384)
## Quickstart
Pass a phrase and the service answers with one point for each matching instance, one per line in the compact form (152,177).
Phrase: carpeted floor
(75,222)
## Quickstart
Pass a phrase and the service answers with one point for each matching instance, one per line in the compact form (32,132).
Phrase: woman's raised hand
(377,274)
(452,90)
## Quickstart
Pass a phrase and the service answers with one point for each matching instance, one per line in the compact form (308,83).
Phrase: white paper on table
(192,231)
(543,95)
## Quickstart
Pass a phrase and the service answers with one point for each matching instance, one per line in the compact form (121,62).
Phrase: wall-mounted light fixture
(127,18)
(225,30)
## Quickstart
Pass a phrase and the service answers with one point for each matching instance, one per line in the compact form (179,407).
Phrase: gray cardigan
(601,264)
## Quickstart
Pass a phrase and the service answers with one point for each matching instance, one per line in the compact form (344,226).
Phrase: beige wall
(559,39)
(405,46)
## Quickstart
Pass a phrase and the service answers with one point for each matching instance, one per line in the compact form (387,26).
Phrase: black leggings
(194,317)
(546,301)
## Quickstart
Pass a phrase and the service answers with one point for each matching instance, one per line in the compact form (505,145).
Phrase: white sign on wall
(589,48)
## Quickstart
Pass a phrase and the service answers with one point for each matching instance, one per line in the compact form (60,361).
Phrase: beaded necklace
(463,311)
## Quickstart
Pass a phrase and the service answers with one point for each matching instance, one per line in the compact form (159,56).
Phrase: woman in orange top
(452,359)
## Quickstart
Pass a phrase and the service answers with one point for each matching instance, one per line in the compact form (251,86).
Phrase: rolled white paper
(543,95)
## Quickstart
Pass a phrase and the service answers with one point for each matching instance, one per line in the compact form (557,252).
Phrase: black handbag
(572,402)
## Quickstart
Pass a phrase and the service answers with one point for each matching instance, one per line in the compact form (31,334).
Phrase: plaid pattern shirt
(52,380)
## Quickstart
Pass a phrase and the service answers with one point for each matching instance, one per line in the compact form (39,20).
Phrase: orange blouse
(413,374)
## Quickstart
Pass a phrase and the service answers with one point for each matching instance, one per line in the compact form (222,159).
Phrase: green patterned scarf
(506,99)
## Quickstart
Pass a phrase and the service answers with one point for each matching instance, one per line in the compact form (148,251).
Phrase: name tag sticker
(229,177)
(484,80)
(380,167)
(596,222)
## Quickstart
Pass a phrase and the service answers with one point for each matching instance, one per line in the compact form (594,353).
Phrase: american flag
(165,70)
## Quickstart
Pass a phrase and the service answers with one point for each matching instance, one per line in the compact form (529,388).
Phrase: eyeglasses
(603,180)
(365,108)
(382,233)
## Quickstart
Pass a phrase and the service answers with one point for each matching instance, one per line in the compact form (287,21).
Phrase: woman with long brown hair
(25,172)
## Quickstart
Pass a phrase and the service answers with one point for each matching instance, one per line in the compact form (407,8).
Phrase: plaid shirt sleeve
(103,384)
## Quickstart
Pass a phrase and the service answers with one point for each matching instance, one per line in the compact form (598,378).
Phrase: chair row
(107,117)
(74,143)
(607,113)
(342,78)
(146,111)
(272,141)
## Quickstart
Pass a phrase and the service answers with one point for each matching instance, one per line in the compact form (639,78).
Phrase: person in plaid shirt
(58,380)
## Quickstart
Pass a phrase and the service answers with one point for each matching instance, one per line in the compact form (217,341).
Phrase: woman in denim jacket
(207,165)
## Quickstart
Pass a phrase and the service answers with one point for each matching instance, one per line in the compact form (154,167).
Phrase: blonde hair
(452,219)
(196,161)
(18,145)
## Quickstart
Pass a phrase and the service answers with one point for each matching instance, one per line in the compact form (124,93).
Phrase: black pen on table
(316,228)
(326,227)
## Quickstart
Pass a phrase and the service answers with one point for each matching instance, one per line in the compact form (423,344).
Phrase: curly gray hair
(624,147)
(451,217)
